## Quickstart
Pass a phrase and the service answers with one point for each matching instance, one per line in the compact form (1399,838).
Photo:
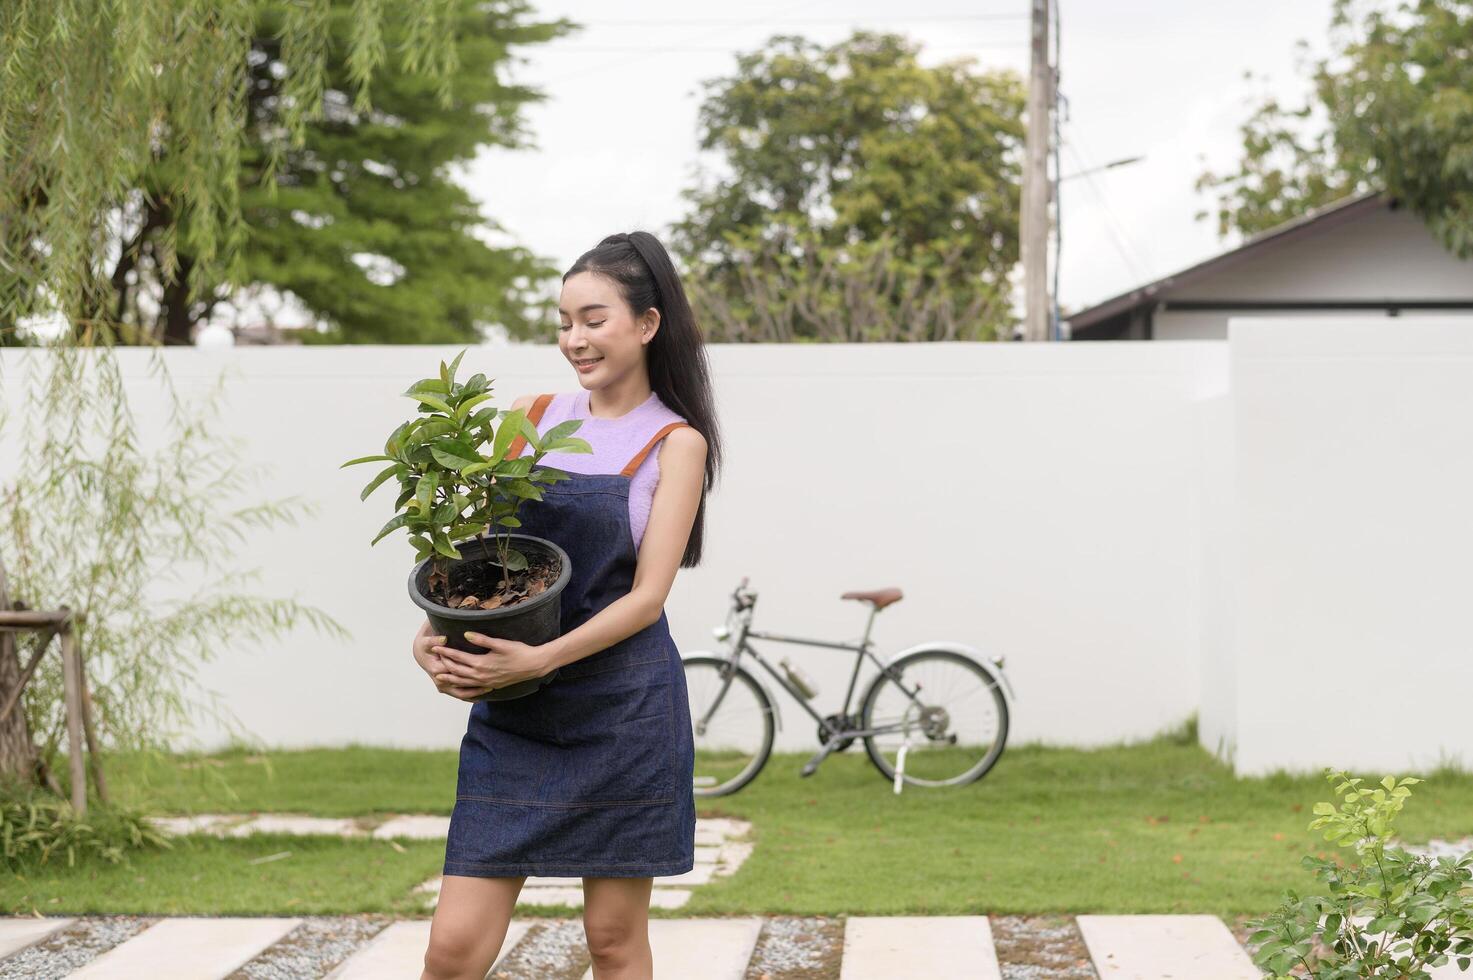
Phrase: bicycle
(734,716)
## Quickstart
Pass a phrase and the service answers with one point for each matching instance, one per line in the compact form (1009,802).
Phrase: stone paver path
(1146,947)
(721,847)
(1140,947)
(18,933)
(712,949)
(399,951)
(187,948)
(882,947)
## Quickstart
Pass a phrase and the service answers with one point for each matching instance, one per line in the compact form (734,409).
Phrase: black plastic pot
(533,621)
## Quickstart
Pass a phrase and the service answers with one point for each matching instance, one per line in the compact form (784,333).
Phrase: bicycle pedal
(808,770)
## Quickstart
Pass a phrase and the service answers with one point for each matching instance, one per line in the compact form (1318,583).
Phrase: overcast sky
(616,138)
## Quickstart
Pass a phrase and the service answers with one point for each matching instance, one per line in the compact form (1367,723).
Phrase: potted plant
(451,494)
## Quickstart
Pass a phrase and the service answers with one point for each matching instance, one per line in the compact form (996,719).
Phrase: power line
(1123,245)
(808,20)
(648,49)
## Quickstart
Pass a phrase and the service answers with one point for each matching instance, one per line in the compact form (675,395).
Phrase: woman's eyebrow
(585,308)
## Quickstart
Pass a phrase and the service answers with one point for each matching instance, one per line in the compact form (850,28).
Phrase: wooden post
(71,674)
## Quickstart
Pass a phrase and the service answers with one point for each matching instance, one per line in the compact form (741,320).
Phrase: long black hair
(678,369)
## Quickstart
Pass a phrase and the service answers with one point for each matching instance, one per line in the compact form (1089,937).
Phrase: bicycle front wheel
(731,722)
(945,709)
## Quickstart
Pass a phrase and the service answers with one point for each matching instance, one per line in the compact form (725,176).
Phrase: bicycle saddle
(880,597)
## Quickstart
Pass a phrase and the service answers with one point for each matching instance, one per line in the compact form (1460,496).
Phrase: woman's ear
(649,324)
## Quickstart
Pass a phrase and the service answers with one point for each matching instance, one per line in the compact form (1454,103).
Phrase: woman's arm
(672,515)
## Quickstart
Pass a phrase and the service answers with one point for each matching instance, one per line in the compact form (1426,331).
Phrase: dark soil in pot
(530,612)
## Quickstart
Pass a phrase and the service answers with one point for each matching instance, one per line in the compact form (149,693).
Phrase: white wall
(1353,638)
(1037,502)
(1144,530)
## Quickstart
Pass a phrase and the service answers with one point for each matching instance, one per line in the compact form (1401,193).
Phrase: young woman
(590,775)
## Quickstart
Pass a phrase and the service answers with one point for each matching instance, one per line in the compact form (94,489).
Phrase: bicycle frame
(741,645)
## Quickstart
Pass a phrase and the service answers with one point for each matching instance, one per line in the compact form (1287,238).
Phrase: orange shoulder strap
(633,464)
(534,415)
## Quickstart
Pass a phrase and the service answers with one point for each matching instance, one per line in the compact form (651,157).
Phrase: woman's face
(597,326)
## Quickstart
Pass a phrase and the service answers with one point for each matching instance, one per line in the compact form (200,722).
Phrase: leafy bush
(1392,915)
(34,829)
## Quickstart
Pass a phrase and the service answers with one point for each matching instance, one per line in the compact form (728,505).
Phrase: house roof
(1311,222)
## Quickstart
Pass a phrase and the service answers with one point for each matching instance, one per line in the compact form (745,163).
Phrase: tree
(835,156)
(1392,109)
(94,96)
(361,224)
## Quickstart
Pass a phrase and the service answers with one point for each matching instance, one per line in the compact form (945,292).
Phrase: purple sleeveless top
(615,442)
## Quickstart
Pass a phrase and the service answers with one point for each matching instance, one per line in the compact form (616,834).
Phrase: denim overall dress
(590,774)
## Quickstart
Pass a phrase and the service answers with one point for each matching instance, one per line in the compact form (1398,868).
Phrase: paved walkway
(1128,947)
(975,947)
(722,845)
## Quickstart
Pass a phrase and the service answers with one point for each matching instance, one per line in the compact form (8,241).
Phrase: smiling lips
(591,360)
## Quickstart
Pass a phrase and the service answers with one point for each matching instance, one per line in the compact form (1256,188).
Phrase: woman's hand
(429,661)
(423,647)
(470,675)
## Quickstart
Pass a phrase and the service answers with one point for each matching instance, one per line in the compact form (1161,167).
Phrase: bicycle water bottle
(799,679)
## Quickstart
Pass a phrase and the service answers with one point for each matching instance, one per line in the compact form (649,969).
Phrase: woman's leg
(616,919)
(471,920)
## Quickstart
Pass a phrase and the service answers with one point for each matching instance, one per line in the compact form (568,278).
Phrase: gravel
(312,949)
(797,948)
(555,949)
(63,952)
(1041,947)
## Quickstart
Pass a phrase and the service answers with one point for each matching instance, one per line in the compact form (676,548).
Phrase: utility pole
(1035,216)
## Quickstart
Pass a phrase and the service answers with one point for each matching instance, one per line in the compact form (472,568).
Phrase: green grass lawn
(1152,827)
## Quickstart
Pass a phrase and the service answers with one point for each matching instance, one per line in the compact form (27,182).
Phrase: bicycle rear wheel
(946,707)
(732,724)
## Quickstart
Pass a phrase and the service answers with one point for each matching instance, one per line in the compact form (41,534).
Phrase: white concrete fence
(1273,531)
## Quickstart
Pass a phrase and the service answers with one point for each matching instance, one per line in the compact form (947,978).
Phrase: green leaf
(433,386)
(444,547)
(367,459)
(518,467)
(515,560)
(425,490)
(452,456)
(454,366)
(475,468)
(565,446)
(480,418)
(506,433)
(433,401)
(562,429)
(392,445)
(395,522)
(377,481)
(520,488)
(463,409)
(510,522)
(429,427)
